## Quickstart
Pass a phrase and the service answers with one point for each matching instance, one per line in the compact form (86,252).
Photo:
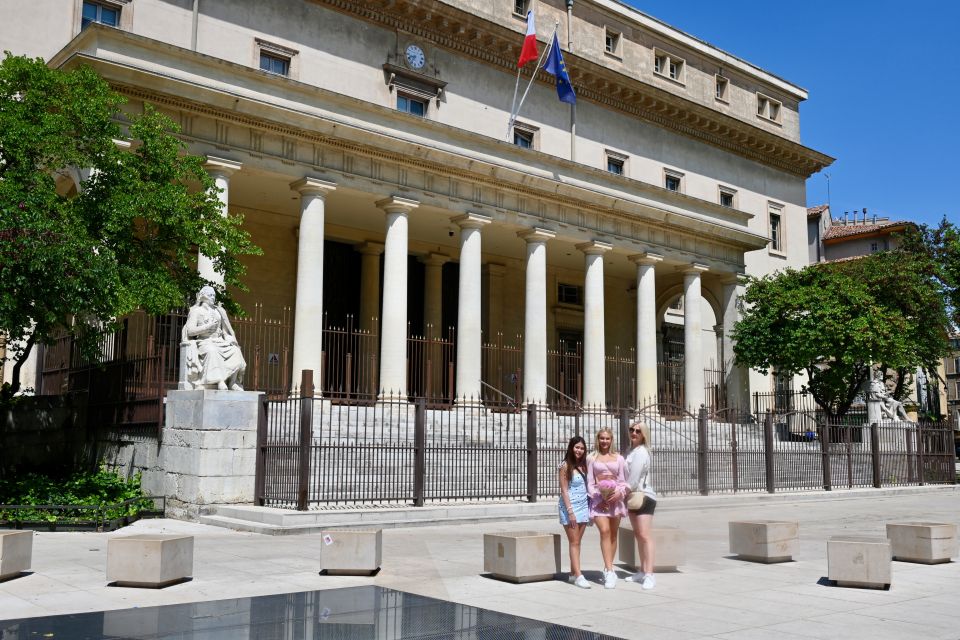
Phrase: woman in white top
(638,478)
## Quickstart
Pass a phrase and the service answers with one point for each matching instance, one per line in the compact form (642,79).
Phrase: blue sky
(884,85)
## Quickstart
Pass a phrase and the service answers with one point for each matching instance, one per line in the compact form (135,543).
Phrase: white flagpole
(533,76)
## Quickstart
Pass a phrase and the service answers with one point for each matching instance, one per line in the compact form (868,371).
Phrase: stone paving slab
(712,596)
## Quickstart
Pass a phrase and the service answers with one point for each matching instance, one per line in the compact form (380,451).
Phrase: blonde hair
(596,441)
(645,432)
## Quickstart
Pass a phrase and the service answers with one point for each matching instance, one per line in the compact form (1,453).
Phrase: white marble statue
(212,358)
(890,407)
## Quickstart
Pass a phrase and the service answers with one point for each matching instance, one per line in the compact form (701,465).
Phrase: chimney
(864,215)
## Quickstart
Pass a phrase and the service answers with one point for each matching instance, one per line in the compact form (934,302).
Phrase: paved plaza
(711,596)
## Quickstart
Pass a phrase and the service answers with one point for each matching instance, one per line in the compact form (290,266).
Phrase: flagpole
(533,76)
(573,107)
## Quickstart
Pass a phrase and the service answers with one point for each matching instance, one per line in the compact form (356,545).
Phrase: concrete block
(351,551)
(669,544)
(859,561)
(522,556)
(149,560)
(766,541)
(924,542)
(16,553)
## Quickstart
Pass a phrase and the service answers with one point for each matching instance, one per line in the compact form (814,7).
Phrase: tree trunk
(15,384)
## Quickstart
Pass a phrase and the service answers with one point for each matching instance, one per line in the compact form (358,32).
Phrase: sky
(883,79)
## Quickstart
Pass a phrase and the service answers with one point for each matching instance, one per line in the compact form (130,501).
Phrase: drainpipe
(193,29)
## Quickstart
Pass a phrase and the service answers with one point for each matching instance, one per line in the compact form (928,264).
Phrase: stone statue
(210,354)
(890,407)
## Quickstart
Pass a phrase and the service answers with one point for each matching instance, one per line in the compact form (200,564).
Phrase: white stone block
(149,560)
(924,542)
(16,553)
(669,548)
(859,561)
(351,551)
(522,556)
(766,541)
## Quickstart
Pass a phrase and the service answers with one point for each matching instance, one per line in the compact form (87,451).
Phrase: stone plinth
(16,553)
(522,556)
(669,544)
(149,560)
(764,540)
(351,551)
(859,561)
(924,542)
(208,452)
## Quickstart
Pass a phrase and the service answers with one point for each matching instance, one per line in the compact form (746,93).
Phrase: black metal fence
(312,451)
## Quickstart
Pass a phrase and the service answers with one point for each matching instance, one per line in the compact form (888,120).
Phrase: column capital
(730,278)
(536,234)
(435,259)
(470,220)
(221,166)
(370,248)
(396,204)
(645,258)
(594,247)
(308,186)
(694,269)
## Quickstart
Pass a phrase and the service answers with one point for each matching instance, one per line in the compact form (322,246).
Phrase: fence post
(259,483)
(825,453)
(625,431)
(875,448)
(532,452)
(918,435)
(768,451)
(306,437)
(702,468)
(419,451)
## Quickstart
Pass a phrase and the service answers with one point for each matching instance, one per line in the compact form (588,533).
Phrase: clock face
(415,57)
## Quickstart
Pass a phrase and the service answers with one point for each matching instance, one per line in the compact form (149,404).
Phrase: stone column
(469,310)
(308,311)
(433,293)
(738,394)
(646,326)
(220,170)
(535,316)
(393,323)
(369,285)
(594,343)
(693,380)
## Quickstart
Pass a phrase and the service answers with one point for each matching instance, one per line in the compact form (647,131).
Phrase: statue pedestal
(208,452)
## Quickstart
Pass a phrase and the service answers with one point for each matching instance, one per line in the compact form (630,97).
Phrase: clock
(414,56)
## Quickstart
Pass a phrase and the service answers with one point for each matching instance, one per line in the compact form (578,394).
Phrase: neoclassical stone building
(366,144)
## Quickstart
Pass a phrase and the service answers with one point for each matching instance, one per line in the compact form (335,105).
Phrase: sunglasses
(636,430)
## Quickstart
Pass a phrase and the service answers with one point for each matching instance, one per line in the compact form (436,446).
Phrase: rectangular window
(525,136)
(721,89)
(728,197)
(675,69)
(273,63)
(100,13)
(672,181)
(612,43)
(776,228)
(520,8)
(874,247)
(569,294)
(411,105)
(768,108)
(668,66)
(761,106)
(659,63)
(615,165)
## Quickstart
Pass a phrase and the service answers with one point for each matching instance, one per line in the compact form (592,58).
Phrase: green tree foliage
(127,238)
(941,246)
(831,321)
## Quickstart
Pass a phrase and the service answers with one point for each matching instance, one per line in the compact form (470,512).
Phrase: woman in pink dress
(607,487)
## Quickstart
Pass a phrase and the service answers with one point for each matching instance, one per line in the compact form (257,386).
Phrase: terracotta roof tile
(847,230)
(813,212)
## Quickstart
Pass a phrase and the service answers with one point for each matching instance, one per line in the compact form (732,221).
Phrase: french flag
(529,51)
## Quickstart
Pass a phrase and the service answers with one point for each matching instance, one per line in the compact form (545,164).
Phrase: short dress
(577,491)
(615,471)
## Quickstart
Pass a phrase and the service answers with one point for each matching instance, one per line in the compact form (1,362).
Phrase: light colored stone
(351,551)
(149,560)
(763,540)
(16,553)
(210,355)
(521,556)
(669,544)
(924,542)
(859,561)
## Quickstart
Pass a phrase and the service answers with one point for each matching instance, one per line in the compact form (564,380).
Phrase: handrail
(561,393)
(510,400)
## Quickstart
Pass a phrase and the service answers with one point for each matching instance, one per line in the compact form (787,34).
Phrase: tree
(127,238)
(834,321)
(941,246)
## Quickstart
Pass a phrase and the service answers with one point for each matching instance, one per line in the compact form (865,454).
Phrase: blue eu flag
(556,67)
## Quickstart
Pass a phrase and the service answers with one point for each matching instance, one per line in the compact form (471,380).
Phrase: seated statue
(890,407)
(209,347)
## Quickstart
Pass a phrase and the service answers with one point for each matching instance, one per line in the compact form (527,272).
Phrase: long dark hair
(570,459)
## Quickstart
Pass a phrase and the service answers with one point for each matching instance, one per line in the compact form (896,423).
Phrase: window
(525,136)
(520,8)
(768,108)
(101,13)
(275,58)
(616,162)
(272,63)
(668,66)
(672,181)
(728,197)
(776,227)
(412,105)
(721,90)
(874,247)
(612,43)
(569,294)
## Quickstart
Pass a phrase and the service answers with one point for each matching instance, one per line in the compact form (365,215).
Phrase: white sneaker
(610,579)
(649,582)
(636,577)
(581,582)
